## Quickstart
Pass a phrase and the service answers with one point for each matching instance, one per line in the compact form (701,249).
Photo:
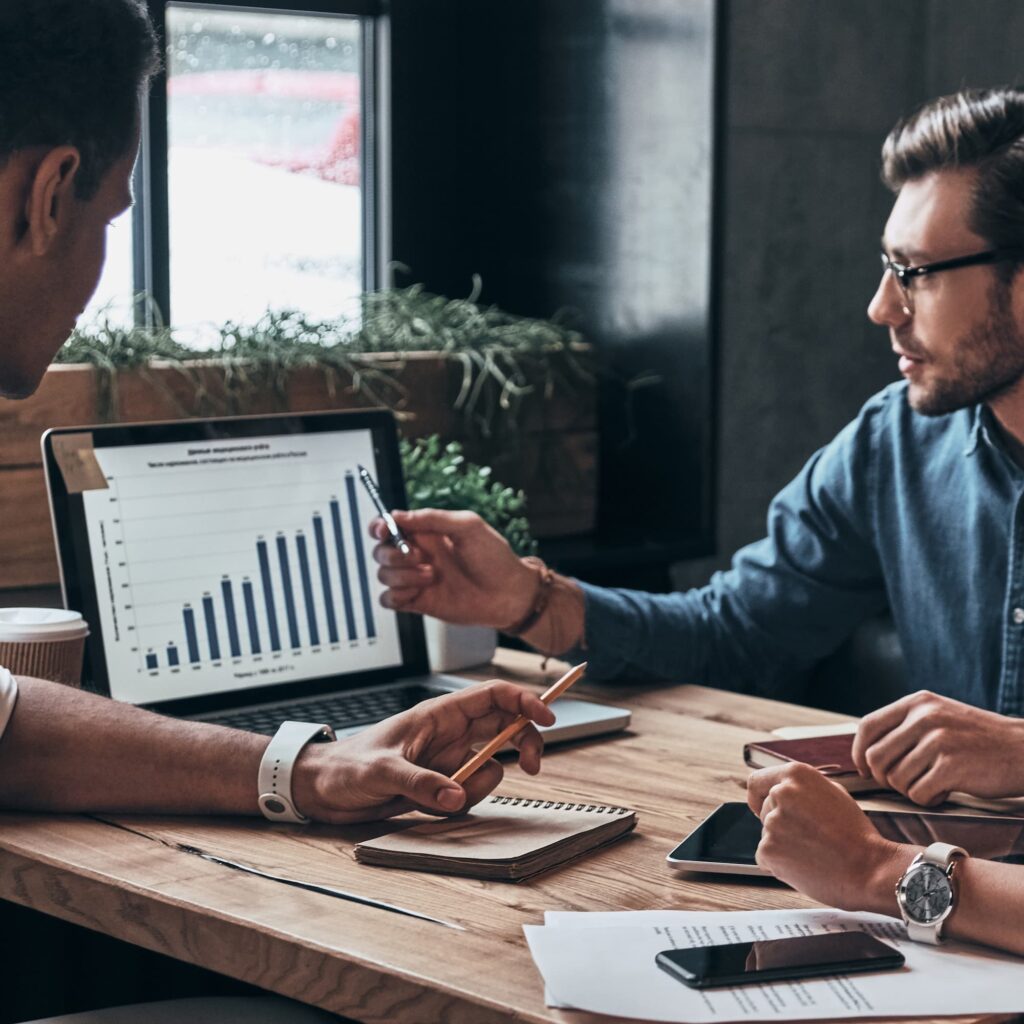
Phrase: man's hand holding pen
(459,569)
(406,762)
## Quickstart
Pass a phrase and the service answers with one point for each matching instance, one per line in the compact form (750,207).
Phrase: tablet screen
(730,834)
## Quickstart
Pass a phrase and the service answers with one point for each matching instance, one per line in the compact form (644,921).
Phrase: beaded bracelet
(540,598)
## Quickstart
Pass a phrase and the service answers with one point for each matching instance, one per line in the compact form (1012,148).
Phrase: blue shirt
(920,514)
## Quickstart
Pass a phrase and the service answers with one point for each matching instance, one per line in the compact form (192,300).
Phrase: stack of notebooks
(505,837)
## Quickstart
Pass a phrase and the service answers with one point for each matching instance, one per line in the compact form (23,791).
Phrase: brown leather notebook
(831,755)
(504,837)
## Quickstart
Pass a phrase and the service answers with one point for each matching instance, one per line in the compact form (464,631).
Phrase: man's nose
(888,306)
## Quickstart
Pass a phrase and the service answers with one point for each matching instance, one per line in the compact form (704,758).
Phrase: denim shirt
(920,514)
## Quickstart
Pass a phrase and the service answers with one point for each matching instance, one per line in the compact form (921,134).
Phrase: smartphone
(806,956)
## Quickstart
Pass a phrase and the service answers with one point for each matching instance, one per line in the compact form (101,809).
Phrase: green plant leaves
(503,357)
(439,477)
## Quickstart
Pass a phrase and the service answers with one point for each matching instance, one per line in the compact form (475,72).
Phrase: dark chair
(867,671)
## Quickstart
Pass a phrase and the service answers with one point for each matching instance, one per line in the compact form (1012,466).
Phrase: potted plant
(437,475)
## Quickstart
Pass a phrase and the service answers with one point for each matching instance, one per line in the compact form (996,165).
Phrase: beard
(988,361)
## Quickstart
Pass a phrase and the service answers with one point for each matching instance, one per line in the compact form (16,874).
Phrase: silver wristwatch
(927,893)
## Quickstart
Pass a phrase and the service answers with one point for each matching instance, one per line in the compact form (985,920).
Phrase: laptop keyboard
(338,710)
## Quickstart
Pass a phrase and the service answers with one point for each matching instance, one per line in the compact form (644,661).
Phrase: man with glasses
(915,506)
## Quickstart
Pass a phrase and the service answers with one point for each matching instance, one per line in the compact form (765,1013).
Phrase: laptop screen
(229,558)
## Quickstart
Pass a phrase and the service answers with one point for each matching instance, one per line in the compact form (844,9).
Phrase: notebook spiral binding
(557,805)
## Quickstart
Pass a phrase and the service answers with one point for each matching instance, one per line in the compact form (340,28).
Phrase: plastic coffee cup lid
(32,625)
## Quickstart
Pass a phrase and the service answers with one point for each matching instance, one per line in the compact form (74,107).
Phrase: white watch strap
(926,933)
(275,776)
(942,854)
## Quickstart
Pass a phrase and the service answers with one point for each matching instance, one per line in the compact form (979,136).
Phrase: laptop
(226,573)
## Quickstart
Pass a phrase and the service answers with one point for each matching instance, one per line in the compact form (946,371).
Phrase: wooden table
(681,757)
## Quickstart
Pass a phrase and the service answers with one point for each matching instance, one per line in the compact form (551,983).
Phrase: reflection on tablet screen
(990,838)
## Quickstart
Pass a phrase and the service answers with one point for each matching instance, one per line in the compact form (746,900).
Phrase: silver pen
(389,520)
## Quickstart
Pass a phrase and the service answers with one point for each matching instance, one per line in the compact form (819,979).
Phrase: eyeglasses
(904,275)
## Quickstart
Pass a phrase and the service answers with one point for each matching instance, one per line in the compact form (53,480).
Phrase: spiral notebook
(504,837)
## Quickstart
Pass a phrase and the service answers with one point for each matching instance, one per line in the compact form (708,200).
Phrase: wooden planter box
(552,456)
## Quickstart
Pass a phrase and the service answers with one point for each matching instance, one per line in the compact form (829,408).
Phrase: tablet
(725,842)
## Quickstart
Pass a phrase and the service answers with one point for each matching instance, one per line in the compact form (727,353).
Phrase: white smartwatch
(927,892)
(275,776)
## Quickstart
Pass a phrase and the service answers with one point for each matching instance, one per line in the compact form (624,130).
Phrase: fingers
(930,789)
(398,600)
(883,756)
(386,554)
(477,702)
(789,785)
(932,785)
(530,745)
(906,770)
(482,781)
(759,785)
(432,520)
(407,577)
(872,728)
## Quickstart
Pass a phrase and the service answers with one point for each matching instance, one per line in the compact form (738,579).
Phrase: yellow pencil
(489,750)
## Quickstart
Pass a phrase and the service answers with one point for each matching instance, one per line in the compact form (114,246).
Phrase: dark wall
(812,89)
(564,151)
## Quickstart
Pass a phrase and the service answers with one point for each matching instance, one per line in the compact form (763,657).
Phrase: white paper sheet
(607,966)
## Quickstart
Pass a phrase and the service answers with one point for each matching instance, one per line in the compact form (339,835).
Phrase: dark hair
(975,128)
(71,72)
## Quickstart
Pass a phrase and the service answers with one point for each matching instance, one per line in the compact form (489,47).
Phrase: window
(254,190)
(112,300)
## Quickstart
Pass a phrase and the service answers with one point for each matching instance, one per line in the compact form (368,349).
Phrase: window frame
(151,261)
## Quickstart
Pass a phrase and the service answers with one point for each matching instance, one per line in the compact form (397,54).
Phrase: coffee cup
(46,643)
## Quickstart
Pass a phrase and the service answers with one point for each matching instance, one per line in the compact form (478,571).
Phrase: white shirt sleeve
(8,698)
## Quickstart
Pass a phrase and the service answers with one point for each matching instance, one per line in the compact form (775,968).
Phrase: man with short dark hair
(915,506)
(71,77)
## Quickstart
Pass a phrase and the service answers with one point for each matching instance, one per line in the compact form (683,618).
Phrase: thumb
(428,789)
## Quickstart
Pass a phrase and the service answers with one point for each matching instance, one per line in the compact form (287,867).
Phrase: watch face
(928,894)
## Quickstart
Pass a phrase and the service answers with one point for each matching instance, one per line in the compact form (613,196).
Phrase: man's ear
(50,197)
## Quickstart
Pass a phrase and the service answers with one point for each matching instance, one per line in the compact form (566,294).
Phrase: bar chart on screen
(237,563)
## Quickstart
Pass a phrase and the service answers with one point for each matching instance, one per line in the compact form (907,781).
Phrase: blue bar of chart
(250,616)
(325,578)
(190,634)
(229,611)
(211,627)
(357,540)
(289,595)
(172,656)
(151,662)
(307,590)
(268,595)
(339,551)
